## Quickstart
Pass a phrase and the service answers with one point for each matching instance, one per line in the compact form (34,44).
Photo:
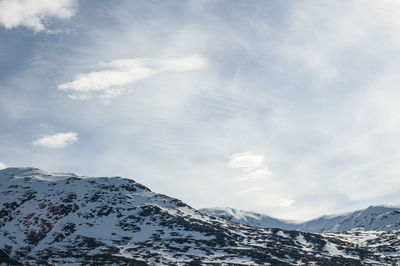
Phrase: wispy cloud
(286,203)
(250,164)
(245,160)
(308,86)
(309,44)
(118,75)
(2,165)
(254,174)
(256,181)
(34,13)
(57,141)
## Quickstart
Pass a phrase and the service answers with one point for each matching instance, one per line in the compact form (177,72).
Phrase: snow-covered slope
(61,218)
(379,218)
(250,218)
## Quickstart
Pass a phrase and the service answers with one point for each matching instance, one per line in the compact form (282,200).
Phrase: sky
(288,108)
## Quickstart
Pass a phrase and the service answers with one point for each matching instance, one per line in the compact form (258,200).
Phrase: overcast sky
(289,108)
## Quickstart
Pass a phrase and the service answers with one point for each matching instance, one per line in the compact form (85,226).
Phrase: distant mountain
(250,218)
(61,218)
(378,218)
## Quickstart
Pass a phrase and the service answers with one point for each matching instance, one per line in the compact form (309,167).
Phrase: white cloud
(321,34)
(254,174)
(2,165)
(79,97)
(250,164)
(255,181)
(250,189)
(245,160)
(57,141)
(118,75)
(34,13)
(286,203)
(313,90)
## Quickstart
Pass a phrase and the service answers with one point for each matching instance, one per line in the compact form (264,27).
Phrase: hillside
(373,218)
(63,218)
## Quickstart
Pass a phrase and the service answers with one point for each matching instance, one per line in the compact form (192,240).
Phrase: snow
(140,224)
(305,245)
(332,250)
(378,218)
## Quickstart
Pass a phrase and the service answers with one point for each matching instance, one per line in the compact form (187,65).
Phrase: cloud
(250,164)
(118,75)
(309,86)
(251,168)
(2,165)
(245,160)
(56,141)
(256,181)
(253,174)
(34,13)
(309,44)
(286,203)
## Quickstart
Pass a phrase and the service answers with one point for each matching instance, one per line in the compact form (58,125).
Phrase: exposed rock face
(64,218)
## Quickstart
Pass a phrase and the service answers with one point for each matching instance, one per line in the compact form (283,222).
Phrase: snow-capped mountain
(378,218)
(250,218)
(61,218)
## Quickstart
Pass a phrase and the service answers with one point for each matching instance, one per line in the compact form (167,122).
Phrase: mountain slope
(378,218)
(250,218)
(61,218)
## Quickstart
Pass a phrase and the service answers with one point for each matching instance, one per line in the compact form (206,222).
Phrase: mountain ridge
(377,217)
(62,218)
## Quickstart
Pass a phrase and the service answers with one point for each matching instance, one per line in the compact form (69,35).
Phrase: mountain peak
(31,172)
(62,218)
(378,217)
